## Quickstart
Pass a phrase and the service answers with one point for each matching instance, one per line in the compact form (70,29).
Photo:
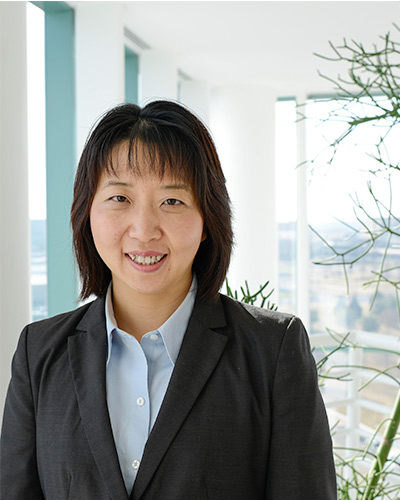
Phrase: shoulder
(260,340)
(57,328)
(60,320)
(255,316)
(262,328)
(43,349)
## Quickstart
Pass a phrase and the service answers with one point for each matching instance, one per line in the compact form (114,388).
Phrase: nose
(144,224)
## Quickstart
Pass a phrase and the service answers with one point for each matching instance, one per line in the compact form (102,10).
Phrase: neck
(137,317)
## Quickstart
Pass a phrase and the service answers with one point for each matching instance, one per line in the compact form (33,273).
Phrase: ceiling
(266,42)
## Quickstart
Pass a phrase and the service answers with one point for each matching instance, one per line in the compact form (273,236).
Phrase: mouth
(149,260)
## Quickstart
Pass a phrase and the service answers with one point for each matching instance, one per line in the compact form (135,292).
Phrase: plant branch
(383,452)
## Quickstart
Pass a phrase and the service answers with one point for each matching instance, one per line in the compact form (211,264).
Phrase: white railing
(344,400)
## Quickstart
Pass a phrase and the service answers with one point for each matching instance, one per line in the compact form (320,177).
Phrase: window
(332,190)
(37,159)
(330,212)
(286,181)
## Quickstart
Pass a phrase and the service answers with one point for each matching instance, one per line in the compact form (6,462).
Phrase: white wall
(242,121)
(100,62)
(14,208)
(196,95)
(158,76)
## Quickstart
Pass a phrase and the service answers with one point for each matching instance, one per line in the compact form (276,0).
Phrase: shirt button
(140,401)
(135,464)
(153,337)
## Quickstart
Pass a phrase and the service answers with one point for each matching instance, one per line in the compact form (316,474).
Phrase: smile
(145,261)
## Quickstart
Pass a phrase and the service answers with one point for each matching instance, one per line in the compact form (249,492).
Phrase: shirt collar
(172,331)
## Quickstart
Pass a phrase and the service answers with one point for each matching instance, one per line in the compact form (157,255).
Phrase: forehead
(125,168)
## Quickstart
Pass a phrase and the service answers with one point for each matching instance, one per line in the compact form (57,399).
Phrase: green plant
(248,297)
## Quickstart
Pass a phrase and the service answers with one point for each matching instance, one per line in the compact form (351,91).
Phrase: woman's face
(146,229)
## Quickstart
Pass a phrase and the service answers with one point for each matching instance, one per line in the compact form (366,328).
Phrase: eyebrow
(113,182)
(183,187)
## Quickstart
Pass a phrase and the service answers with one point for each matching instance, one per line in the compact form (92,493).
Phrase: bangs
(151,149)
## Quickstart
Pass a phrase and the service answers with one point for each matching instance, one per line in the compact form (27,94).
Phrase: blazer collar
(201,350)
(87,354)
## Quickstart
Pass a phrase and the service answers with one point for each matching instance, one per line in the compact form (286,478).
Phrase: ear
(204,236)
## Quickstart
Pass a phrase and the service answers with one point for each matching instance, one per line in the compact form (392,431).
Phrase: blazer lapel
(201,350)
(87,354)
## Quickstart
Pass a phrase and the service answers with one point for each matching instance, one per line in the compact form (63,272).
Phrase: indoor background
(243,67)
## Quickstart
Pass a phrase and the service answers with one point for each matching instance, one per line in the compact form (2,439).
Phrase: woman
(161,388)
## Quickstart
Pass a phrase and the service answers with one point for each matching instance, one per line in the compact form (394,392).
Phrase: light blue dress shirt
(137,378)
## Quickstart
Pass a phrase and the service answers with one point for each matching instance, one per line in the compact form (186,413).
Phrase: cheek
(95,227)
(103,231)
(191,233)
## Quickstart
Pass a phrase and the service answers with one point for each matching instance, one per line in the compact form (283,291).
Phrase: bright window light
(37,158)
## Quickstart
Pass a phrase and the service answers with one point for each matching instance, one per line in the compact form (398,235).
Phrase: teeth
(145,261)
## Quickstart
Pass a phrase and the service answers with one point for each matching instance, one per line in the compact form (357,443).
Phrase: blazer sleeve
(19,477)
(301,459)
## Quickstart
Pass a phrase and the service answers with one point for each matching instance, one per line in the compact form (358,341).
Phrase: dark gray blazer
(242,418)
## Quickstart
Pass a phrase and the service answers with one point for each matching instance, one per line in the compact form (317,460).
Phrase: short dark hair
(179,142)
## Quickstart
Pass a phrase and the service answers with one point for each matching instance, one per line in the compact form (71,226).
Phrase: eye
(119,198)
(172,202)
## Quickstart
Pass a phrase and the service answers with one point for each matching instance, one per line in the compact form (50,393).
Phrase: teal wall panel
(60,154)
(131,76)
